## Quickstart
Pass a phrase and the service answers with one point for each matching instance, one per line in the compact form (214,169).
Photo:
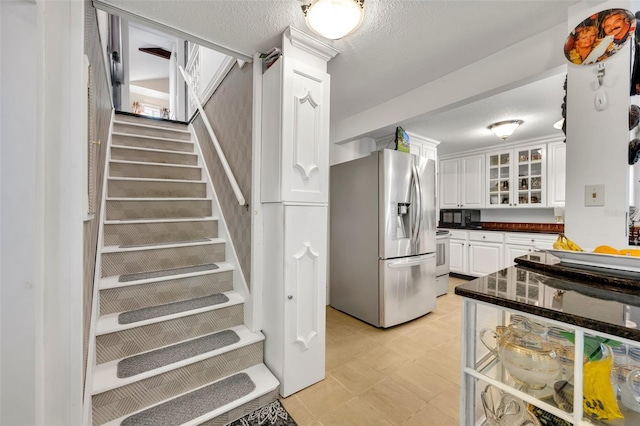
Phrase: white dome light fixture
(558,124)
(334,19)
(504,129)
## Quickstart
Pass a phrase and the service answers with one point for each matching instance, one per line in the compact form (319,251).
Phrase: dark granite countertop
(586,299)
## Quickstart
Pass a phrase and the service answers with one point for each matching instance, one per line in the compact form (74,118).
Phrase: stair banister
(216,144)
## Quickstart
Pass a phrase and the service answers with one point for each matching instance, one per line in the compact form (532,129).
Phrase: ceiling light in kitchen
(504,129)
(334,19)
(558,124)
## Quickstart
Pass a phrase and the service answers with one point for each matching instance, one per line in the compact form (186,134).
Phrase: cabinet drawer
(457,234)
(487,236)
(542,240)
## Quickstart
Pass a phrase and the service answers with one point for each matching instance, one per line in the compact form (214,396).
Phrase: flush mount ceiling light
(504,129)
(334,19)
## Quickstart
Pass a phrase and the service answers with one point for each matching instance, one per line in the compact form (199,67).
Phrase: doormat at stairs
(272,414)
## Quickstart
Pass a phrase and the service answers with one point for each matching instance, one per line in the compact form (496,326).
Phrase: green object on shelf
(592,348)
(402,140)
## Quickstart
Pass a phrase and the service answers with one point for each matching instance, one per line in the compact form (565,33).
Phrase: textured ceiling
(401,44)
(537,104)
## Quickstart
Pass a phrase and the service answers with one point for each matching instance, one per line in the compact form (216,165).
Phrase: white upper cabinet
(461,182)
(295,150)
(517,177)
(556,172)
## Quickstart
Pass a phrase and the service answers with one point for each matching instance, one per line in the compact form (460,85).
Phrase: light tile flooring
(405,375)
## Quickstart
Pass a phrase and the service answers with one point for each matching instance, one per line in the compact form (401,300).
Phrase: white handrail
(214,139)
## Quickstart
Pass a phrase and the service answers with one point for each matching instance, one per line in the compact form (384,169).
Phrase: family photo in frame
(599,36)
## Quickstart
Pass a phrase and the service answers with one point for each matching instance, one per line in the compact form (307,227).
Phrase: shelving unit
(481,367)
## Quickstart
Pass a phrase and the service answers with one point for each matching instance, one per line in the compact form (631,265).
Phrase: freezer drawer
(407,288)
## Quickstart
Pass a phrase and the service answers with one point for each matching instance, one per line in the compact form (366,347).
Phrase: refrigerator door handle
(418,206)
(410,263)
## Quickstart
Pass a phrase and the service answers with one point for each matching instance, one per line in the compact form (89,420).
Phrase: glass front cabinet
(516,177)
(522,369)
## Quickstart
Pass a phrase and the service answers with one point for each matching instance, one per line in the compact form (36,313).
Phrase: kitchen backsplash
(551,228)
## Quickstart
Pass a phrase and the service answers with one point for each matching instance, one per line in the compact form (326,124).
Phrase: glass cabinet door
(530,176)
(499,170)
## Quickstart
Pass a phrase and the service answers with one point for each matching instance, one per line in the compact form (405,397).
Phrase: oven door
(442,255)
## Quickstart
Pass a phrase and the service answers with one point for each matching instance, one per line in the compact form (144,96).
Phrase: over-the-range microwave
(459,218)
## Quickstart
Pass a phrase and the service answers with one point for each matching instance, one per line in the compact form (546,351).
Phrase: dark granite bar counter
(584,300)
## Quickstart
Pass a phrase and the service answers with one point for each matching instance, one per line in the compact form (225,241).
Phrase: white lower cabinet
(484,258)
(475,253)
(458,249)
(518,244)
(479,253)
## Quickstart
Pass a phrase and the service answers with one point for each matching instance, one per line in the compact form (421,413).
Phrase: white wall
(523,215)
(597,144)
(18,174)
(210,63)
(340,153)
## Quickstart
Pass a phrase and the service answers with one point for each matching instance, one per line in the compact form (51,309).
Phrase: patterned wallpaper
(102,109)
(230,112)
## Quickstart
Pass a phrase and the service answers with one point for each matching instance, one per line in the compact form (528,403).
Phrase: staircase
(171,344)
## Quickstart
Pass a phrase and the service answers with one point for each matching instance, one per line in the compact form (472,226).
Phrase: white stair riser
(153,132)
(137,261)
(154,171)
(153,156)
(151,122)
(126,343)
(158,232)
(142,142)
(152,189)
(140,296)
(139,209)
(113,404)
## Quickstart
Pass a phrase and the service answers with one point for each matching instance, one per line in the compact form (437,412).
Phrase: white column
(597,143)
(18,216)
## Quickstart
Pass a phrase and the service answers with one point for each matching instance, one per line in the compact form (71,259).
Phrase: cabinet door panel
(305,140)
(511,252)
(485,258)
(305,257)
(557,174)
(458,256)
(472,182)
(449,180)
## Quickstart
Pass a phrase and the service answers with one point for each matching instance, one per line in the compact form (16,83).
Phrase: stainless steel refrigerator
(383,237)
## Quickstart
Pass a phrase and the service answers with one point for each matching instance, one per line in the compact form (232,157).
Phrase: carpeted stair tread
(151,360)
(165,243)
(167,272)
(170,308)
(194,404)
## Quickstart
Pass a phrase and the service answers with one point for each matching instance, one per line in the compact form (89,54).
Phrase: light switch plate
(594,195)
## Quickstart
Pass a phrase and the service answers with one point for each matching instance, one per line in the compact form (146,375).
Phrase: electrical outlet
(594,195)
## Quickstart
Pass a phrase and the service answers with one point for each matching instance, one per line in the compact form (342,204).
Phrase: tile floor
(405,375)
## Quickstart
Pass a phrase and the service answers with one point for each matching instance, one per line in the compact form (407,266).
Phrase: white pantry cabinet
(461,182)
(294,195)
